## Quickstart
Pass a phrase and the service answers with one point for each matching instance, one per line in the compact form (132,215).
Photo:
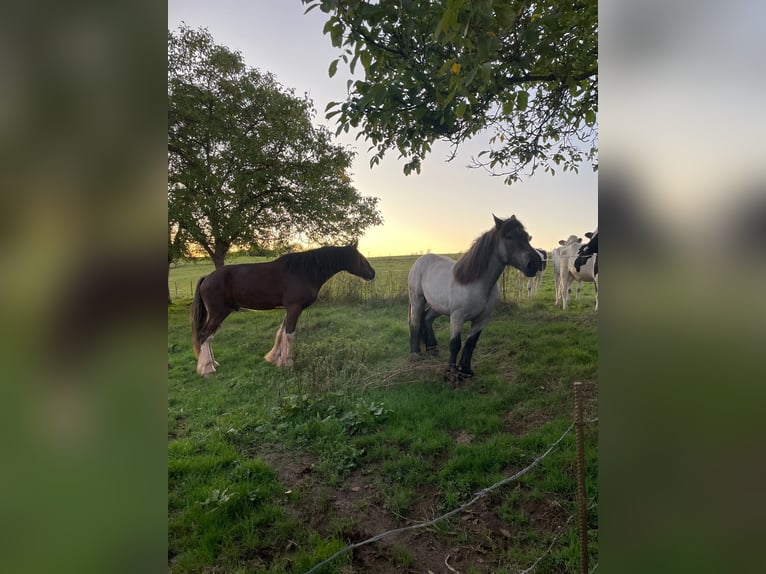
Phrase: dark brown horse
(291,282)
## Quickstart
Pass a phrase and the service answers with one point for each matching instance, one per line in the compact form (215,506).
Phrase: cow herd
(573,262)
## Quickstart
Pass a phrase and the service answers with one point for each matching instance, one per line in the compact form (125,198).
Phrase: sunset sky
(446,206)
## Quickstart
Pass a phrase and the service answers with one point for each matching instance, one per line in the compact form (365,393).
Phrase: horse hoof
(465,375)
(415,357)
(433,351)
(207,371)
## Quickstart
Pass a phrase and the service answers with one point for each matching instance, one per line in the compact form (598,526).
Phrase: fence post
(582,507)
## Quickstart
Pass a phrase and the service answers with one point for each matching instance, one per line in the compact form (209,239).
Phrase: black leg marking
(454,348)
(428,322)
(465,359)
(414,339)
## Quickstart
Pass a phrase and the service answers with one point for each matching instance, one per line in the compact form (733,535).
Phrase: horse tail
(198,318)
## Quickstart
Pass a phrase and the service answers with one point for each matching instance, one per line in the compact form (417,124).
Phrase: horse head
(358,264)
(513,246)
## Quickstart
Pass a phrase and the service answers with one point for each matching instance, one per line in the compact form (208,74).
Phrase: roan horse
(465,289)
(291,282)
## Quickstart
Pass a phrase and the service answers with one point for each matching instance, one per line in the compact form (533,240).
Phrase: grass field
(271,470)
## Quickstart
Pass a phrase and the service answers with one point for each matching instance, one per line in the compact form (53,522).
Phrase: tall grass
(389,285)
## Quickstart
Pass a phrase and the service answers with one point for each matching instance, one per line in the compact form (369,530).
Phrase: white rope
(479,495)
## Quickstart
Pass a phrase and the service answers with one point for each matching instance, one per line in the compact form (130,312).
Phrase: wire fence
(478,496)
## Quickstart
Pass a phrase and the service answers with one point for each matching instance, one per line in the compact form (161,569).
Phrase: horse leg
(206,363)
(273,356)
(284,354)
(428,331)
(416,312)
(474,333)
(465,360)
(455,325)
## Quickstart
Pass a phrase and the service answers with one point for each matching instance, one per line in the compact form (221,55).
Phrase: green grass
(271,470)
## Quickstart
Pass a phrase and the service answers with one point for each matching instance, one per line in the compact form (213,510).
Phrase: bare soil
(354,510)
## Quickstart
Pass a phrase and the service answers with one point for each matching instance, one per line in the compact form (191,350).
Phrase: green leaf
(508,107)
(460,110)
(336,35)
(522,98)
(333,68)
(366,59)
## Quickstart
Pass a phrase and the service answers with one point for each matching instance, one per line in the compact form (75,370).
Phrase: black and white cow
(588,250)
(578,262)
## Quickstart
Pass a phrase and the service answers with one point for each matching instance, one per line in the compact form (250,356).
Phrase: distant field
(271,470)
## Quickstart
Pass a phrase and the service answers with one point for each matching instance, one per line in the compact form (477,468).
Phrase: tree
(525,73)
(245,163)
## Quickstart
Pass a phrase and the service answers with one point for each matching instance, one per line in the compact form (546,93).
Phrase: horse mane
(474,262)
(316,265)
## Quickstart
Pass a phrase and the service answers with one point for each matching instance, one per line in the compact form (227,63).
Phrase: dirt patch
(293,468)
(462,437)
(545,514)
(519,424)
(476,539)
(179,428)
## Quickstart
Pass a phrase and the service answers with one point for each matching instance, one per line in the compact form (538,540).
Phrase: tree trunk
(219,254)
(169,299)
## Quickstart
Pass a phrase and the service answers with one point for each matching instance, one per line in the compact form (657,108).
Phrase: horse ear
(561,242)
(498,222)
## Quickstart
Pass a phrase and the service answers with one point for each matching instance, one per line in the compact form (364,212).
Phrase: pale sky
(446,206)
